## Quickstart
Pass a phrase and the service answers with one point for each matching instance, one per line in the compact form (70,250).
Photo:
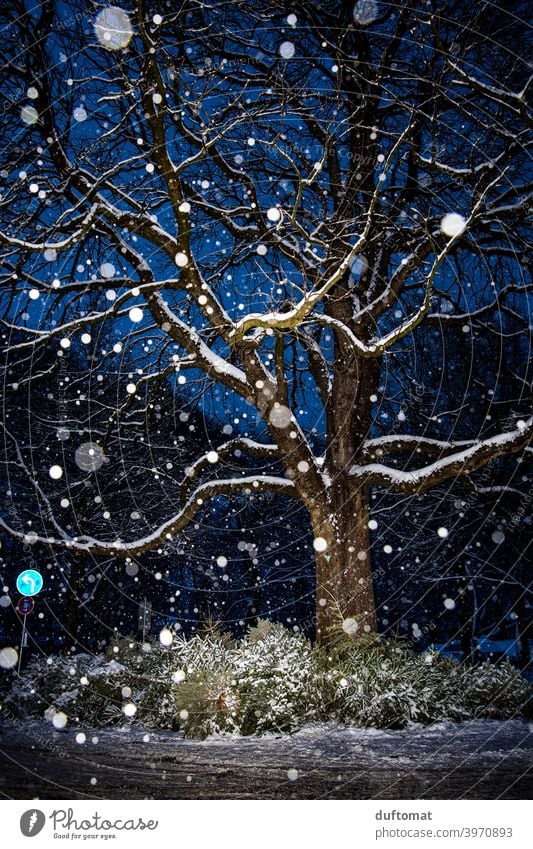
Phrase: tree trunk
(343,571)
(344,586)
(465,616)
(524,625)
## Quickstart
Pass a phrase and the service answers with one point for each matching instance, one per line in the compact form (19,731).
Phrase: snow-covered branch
(292,317)
(456,464)
(517,101)
(208,460)
(168,529)
(60,245)
(407,444)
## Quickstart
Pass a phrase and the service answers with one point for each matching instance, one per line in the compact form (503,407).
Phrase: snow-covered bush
(495,691)
(279,680)
(157,671)
(45,681)
(183,683)
(272,680)
(99,697)
(203,651)
(86,688)
(166,671)
(386,685)
(207,702)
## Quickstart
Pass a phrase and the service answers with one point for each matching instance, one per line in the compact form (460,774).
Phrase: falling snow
(113,28)
(59,720)
(165,637)
(280,416)
(79,114)
(453,224)
(365,12)
(89,456)
(287,49)
(136,314)
(29,115)
(107,270)
(350,626)
(8,657)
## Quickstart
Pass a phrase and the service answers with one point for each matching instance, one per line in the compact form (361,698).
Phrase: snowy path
(479,759)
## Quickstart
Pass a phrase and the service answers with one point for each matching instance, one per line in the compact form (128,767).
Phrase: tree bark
(344,585)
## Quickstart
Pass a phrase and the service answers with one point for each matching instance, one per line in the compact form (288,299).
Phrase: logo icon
(32,822)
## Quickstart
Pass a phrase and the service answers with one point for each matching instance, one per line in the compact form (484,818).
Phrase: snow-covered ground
(476,759)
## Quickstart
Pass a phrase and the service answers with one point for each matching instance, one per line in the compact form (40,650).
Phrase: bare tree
(281,198)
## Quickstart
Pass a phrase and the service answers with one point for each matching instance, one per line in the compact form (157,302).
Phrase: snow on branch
(70,327)
(294,316)
(515,101)
(453,465)
(405,443)
(378,347)
(188,337)
(168,529)
(56,246)
(42,498)
(206,461)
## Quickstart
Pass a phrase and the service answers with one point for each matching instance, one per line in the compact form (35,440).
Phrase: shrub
(495,691)
(387,685)
(279,680)
(80,685)
(208,703)
(271,681)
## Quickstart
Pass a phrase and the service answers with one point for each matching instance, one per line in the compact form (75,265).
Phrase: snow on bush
(387,686)
(495,692)
(384,684)
(279,680)
(207,702)
(271,681)
(184,683)
(88,689)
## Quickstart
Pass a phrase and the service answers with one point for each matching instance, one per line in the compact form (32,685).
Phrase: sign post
(145,616)
(23,642)
(29,583)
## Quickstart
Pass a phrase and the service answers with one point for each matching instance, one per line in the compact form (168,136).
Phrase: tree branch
(168,529)
(455,465)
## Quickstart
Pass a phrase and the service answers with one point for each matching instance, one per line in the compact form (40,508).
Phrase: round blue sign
(29,582)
